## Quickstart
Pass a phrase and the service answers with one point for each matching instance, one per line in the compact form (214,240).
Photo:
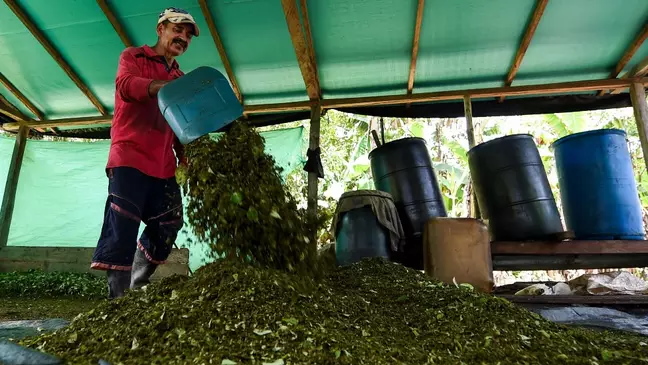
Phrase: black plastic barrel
(512,189)
(403,168)
(360,235)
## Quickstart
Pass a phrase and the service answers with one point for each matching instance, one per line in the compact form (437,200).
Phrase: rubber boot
(118,282)
(142,270)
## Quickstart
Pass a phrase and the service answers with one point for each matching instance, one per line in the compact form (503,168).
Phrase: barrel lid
(356,193)
(500,139)
(603,131)
(395,144)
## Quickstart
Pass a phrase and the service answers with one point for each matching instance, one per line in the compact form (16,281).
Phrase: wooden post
(313,144)
(470,130)
(6,210)
(640,106)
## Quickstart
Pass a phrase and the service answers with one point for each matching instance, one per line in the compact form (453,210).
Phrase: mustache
(180,42)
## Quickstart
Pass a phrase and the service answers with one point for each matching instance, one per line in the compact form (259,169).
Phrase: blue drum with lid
(597,185)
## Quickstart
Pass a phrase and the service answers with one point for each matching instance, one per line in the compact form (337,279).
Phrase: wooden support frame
(640,106)
(639,70)
(121,31)
(218,42)
(470,132)
(555,88)
(540,7)
(628,54)
(415,45)
(11,186)
(299,30)
(10,110)
(56,55)
(20,96)
(313,144)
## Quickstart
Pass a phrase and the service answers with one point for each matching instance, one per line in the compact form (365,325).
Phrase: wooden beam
(10,110)
(56,55)
(639,70)
(11,186)
(68,122)
(640,106)
(20,96)
(540,7)
(305,55)
(528,90)
(116,24)
(470,131)
(221,48)
(585,247)
(628,54)
(415,45)
(313,144)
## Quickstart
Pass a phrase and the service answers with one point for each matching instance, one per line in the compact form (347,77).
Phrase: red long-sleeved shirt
(140,136)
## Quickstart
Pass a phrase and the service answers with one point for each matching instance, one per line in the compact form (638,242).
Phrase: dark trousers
(134,197)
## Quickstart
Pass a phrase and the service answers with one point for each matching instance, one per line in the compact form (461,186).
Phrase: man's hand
(155,86)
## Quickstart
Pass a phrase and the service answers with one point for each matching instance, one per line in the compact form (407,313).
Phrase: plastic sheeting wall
(63,188)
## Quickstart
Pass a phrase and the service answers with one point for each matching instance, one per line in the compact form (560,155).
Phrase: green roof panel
(581,39)
(33,71)
(349,36)
(93,56)
(470,43)
(258,44)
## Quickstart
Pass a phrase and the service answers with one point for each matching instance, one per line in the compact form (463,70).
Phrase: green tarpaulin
(63,187)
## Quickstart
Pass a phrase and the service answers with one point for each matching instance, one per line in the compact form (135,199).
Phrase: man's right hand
(155,86)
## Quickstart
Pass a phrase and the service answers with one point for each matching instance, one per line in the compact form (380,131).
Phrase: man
(141,163)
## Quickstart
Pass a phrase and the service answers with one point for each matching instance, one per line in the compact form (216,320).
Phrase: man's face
(175,37)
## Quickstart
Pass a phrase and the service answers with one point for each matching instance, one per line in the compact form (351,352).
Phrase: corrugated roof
(362,47)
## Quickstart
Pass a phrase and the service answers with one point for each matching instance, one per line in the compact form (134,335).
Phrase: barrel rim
(389,144)
(500,139)
(366,192)
(602,131)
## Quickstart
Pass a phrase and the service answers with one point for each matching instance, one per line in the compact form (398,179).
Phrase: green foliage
(372,312)
(37,283)
(238,205)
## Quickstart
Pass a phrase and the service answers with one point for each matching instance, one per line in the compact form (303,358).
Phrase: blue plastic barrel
(597,186)
(200,102)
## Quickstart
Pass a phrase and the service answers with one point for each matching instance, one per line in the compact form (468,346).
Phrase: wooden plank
(578,299)
(10,110)
(11,186)
(629,53)
(300,43)
(528,90)
(640,107)
(415,45)
(70,254)
(221,48)
(568,262)
(470,131)
(608,247)
(56,55)
(116,24)
(20,96)
(540,7)
(639,70)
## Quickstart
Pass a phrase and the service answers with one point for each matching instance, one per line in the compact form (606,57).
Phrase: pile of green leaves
(238,205)
(373,312)
(38,283)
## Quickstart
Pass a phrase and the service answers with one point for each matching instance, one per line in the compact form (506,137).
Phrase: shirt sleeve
(130,85)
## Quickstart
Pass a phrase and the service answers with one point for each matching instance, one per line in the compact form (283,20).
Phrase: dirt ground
(41,308)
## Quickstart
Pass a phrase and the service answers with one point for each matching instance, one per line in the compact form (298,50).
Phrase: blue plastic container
(200,102)
(597,186)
